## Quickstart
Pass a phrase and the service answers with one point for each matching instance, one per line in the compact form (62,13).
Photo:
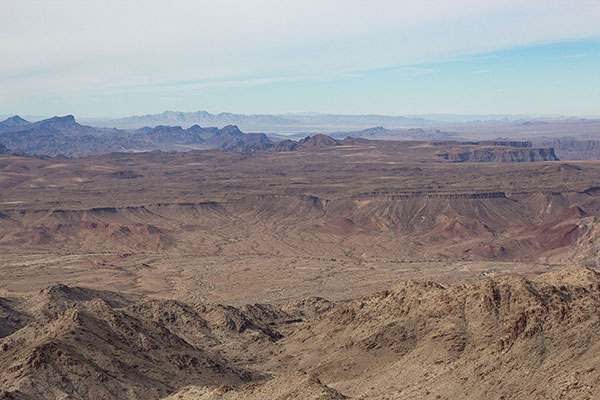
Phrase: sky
(117,58)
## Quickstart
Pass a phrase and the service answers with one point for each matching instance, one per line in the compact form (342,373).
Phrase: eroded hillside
(510,337)
(333,219)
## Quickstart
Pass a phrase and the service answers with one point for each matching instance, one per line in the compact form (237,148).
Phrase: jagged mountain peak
(16,120)
(12,122)
(318,140)
(230,130)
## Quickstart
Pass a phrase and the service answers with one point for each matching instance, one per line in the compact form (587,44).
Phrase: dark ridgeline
(64,136)
(12,122)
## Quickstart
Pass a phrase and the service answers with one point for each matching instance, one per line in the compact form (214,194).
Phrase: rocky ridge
(64,136)
(501,154)
(496,338)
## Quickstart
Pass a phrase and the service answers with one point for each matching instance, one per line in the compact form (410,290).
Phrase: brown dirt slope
(480,226)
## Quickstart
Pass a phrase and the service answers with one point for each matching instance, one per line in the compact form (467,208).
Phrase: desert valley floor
(370,269)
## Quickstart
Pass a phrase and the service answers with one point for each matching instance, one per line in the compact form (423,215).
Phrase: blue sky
(114,58)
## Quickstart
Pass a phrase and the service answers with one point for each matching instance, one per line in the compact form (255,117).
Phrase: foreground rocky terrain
(510,337)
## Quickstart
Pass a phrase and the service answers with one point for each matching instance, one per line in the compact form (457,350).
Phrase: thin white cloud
(87,47)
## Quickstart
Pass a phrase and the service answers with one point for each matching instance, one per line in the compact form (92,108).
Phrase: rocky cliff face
(572,148)
(509,143)
(501,154)
(484,151)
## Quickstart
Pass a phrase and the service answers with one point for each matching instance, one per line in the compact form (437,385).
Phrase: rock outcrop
(494,338)
(501,154)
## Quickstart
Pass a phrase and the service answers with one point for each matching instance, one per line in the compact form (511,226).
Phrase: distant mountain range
(286,123)
(472,127)
(572,139)
(64,136)
(380,133)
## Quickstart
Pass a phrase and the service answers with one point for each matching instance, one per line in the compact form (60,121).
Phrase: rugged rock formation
(317,141)
(64,136)
(308,143)
(506,143)
(91,348)
(498,338)
(495,338)
(571,148)
(501,154)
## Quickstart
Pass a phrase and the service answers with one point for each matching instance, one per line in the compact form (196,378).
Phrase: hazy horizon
(440,117)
